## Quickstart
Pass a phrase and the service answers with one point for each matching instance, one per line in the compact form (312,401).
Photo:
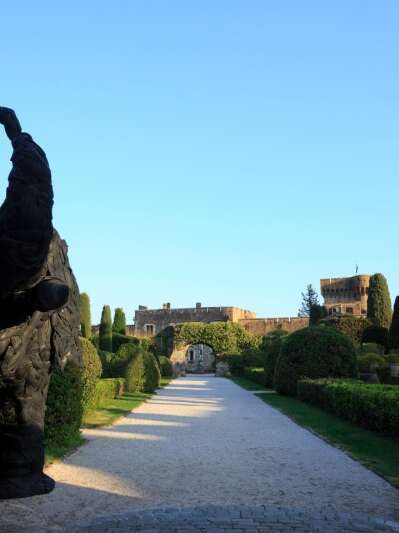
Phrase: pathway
(205,443)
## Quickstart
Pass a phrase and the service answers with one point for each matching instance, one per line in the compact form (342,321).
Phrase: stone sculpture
(39,313)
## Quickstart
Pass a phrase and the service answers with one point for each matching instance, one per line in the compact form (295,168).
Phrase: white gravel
(203,440)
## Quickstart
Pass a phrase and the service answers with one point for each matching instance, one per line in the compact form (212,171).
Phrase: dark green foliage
(271,347)
(135,373)
(85,316)
(222,337)
(379,309)
(257,375)
(314,352)
(374,407)
(106,330)
(119,361)
(91,371)
(106,358)
(106,389)
(309,299)
(236,363)
(316,313)
(393,340)
(376,334)
(119,324)
(118,340)
(152,374)
(64,406)
(349,325)
(370,361)
(165,366)
(95,339)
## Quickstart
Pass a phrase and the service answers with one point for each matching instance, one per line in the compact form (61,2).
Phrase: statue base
(25,486)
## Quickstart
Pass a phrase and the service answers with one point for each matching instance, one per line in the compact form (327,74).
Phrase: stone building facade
(346,295)
(200,358)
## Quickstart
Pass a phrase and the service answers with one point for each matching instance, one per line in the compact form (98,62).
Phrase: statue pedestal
(21,462)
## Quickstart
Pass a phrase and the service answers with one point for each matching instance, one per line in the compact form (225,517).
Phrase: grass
(104,415)
(378,453)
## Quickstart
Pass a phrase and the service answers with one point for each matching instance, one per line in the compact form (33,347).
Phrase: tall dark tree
(85,315)
(394,329)
(106,329)
(309,298)
(119,325)
(317,313)
(379,308)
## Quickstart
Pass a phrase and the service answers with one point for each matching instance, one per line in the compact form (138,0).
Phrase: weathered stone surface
(222,370)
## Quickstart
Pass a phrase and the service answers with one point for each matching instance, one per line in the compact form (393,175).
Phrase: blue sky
(223,151)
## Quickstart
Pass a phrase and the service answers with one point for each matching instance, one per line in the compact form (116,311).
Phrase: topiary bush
(135,373)
(236,363)
(315,352)
(165,366)
(271,345)
(64,408)
(107,389)
(119,323)
(118,339)
(351,326)
(91,371)
(152,374)
(376,334)
(369,362)
(105,331)
(119,361)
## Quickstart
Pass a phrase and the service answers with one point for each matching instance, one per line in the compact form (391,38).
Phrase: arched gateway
(200,359)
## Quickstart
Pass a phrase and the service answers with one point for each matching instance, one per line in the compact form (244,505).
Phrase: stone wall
(262,326)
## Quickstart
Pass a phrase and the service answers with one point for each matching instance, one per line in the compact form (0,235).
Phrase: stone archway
(200,359)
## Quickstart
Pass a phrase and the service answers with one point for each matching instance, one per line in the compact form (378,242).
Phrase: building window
(349,310)
(191,355)
(149,329)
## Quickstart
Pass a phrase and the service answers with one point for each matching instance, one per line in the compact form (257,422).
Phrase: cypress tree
(106,329)
(394,329)
(119,325)
(85,315)
(379,309)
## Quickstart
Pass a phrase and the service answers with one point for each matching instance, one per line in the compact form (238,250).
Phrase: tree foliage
(106,329)
(379,309)
(317,312)
(85,315)
(394,329)
(309,298)
(119,325)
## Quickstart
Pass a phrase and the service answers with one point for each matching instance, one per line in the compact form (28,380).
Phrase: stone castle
(346,295)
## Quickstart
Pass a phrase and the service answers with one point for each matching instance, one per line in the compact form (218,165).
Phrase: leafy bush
(95,339)
(165,366)
(64,406)
(118,339)
(236,363)
(105,331)
(106,389)
(351,326)
(272,343)
(135,373)
(379,309)
(91,371)
(376,334)
(374,407)
(85,315)
(119,361)
(394,328)
(392,358)
(369,362)
(106,358)
(119,324)
(314,352)
(257,375)
(371,347)
(152,374)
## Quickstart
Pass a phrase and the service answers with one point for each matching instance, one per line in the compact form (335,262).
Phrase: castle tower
(346,295)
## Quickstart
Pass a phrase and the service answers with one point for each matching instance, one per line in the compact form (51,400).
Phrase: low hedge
(374,407)
(257,375)
(119,361)
(106,389)
(165,366)
(271,345)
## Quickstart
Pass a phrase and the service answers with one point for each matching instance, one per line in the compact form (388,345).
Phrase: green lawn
(105,415)
(380,454)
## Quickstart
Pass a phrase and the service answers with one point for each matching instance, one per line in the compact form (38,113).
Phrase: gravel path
(202,441)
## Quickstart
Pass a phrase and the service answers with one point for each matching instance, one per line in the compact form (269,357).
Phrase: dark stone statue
(39,313)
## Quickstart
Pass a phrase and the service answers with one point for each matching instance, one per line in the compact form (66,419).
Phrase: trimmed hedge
(165,366)
(120,360)
(374,407)
(370,361)
(106,389)
(352,326)
(152,374)
(118,339)
(135,373)
(257,375)
(64,409)
(376,334)
(272,343)
(91,371)
(314,352)
(236,363)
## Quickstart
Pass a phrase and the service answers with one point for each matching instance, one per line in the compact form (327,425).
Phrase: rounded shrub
(134,376)
(91,371)
(119,361)
(64,408)
(315,352)
(369,362)
(165,366)
(152,374)
(271,345)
